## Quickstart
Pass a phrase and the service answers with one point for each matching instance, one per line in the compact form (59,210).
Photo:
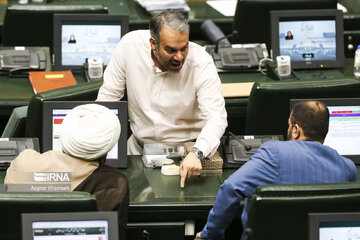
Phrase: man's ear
(152,43)
(296,132)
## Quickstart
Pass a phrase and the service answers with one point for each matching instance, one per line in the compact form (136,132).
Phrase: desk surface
(149,186)
(152,191)
(19,89)
(16,92)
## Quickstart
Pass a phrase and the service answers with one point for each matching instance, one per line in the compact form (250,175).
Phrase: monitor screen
(339,226)
(66,226)
(252,17)
(344,126)
(78,37)
(312,38)
(54,113)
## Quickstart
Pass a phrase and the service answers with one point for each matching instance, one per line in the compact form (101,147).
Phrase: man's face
(172,50)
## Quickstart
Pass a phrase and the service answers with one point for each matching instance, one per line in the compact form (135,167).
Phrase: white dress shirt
(167,107)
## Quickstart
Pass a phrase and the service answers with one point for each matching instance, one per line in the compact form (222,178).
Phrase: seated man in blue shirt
(302,160)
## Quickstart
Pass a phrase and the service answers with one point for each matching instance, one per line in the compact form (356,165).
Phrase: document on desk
(155,5)
(242,89)
(225,7)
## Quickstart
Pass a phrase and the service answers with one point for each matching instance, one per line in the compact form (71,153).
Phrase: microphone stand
(226,36)
(246,146)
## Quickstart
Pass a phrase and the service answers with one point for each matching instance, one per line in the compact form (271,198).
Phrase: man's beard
(166,66)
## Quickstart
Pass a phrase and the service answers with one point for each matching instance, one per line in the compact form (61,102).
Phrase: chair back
(80,92)
(268,107)
(281,211)
(15,126)
(12,205)
(32,24)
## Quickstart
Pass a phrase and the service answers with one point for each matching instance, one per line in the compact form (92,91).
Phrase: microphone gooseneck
(226,36)
(246,146)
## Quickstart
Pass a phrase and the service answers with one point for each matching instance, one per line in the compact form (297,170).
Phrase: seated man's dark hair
(312,117)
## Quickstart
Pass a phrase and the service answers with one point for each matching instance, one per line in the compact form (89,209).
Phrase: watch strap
(198,153)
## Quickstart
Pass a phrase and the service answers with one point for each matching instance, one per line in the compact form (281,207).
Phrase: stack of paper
(156,5)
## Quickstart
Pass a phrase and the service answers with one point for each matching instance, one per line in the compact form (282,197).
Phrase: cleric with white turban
(89,131)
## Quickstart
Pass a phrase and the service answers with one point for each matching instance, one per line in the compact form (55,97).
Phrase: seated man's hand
(198,235)
(190,167)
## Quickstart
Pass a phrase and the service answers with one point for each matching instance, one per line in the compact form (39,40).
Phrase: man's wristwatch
(198,153)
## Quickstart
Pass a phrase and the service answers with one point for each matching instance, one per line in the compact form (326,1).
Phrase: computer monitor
(78,37)
(252,17)
(313,39)
(55,111)
(344,125)
(70,225)
(339,226)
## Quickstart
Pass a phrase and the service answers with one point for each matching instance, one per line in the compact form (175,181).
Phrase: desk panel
(158,199)
(168,187)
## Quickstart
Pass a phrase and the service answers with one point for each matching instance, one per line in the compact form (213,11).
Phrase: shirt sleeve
(114,76)
(261,169)
(212,106)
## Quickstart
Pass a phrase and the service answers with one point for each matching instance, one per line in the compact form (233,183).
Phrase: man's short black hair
(312,117)
(174,18)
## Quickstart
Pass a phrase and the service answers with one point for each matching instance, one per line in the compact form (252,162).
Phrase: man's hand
(190,167)
(198,235)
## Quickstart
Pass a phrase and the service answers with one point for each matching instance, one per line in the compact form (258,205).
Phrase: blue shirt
(278,162)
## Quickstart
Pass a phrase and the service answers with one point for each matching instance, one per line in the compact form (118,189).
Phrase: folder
(43,81)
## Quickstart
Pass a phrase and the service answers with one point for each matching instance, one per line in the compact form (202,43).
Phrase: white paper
(225,7)
(153,5)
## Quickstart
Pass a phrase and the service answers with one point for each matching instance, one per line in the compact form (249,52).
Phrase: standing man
(173,89)
(303,160)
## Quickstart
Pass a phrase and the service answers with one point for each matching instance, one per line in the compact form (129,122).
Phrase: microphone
(226,36)
(246,146)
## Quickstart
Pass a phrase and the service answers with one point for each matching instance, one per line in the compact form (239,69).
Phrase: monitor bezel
(337,15)
(252,17)
(314,220)
(335,102)
(59,19)
(28,218)
(122,107)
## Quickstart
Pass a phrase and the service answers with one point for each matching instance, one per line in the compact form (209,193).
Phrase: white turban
(89,131)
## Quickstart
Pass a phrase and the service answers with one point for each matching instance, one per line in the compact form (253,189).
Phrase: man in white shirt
(173,89)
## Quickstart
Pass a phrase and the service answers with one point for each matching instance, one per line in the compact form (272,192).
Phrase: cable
(261,62)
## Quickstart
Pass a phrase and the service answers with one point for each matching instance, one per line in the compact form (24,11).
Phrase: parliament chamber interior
(245,38)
